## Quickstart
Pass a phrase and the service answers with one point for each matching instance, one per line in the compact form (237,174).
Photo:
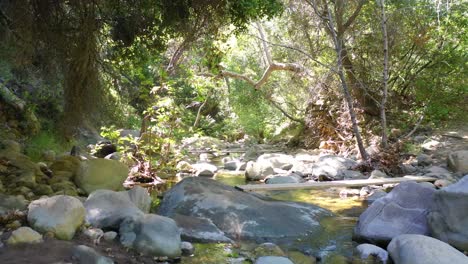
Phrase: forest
(233,131)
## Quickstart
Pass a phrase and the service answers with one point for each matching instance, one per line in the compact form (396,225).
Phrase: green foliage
(43,141)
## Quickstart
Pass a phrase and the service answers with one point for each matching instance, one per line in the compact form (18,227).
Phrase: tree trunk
(338,42)
(383,118)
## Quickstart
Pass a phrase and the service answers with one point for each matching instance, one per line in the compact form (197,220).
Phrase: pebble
(109,236)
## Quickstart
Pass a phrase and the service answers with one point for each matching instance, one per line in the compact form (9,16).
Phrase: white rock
(60,214)
(419,249)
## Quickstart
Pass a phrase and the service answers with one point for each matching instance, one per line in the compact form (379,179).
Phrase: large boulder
(448,219)
(259,170)
(107,209)
(333,167)
(238,214)
(419,249)
(98,174)
(278,160)
(151,234)
(458,161)
(60,215)
(402,211)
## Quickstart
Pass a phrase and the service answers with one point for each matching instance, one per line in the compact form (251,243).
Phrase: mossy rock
(2,188)
(43,189)
(58,179)
(97,174)
(64,185)
(65,163)
(69,192)
(299,258)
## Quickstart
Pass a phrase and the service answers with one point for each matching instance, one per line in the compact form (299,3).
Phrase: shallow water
(332,245)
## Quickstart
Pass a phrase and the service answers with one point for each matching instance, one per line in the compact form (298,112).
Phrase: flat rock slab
(240,215)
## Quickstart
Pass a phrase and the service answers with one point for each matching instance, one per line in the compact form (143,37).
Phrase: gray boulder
(419,249)
(424,160)
(24,235)
(368,250)
(98,174)
(107,209)
(278,160)
(60,215)
(332,167)
(458,161)
(279,179)
(151,234)
(259,170)
(402,211)
(238,214)
(273,260)
(448,219)
(85,255)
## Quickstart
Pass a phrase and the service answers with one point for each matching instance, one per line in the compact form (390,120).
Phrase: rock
(277,160)
(419,249)
(424,160)
(366,250)
(229,209)
(429,145)
(184,166)
(278,179)
(151,234)
(10,145)
(256,171)
(114,156)
(200,230)
(43,189)
(273,260)
(332,167)
(60,215)
(378,174)
(187,248)
(204,169)
(376,194)
(140,197)
(402,211)
(128,133)
(268,249)
(232,165)
(104,148)
(95,234)
(299,258)
(109,236)
(11,202)
(408,169)
(107,209)
(458,161)
(442,183)
(66,163)
(353,175)
(24,235)
(101,174)
(251,154)
(86,255)
(448,219)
